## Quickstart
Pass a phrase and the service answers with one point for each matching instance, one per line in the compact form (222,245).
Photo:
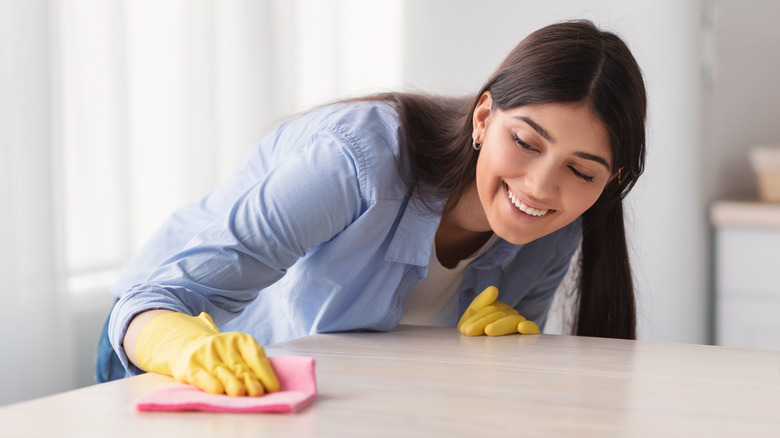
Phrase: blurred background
(114,113)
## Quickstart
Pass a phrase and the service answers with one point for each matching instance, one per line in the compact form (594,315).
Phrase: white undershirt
(432,301)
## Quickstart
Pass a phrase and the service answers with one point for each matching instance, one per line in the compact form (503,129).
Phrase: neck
(461,231)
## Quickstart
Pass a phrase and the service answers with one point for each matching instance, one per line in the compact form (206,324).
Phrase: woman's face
(540,166)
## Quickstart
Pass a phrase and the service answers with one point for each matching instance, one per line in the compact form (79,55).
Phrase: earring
(620,176)
(475,145)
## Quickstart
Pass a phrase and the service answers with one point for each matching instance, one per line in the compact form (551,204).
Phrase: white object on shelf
(747,252)
(765,161)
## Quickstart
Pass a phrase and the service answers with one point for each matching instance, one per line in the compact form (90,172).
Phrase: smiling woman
(574,82)
(396,208)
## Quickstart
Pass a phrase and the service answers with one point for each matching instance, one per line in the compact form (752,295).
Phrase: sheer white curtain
(112,114)
(161,99)
(30,256)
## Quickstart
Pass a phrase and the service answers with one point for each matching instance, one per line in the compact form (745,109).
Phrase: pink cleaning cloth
(297,388)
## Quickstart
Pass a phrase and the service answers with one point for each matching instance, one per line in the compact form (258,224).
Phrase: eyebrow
(546,135)
(541,131)
(592,157)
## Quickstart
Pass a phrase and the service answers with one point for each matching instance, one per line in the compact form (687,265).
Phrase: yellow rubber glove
(193,351)
(486,315)
(484,299)
(528,328)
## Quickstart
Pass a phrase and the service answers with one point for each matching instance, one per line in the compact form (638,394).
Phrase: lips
(524,207)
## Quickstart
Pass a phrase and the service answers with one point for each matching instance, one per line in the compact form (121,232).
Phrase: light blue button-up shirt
(317,232)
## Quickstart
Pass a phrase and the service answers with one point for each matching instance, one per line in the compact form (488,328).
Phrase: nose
(541,180)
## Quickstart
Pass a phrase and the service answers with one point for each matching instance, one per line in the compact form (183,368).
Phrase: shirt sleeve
(303,201)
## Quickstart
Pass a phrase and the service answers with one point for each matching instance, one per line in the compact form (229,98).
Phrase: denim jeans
(107,364)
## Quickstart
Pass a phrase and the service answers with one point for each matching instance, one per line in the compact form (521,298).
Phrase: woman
(397,208)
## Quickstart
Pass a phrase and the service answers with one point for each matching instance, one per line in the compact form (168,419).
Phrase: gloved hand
(486,315)
(193,351)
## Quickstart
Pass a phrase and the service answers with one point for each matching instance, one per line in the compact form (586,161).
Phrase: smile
(522,207)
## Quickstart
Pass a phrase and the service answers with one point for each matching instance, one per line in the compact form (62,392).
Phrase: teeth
(524,208)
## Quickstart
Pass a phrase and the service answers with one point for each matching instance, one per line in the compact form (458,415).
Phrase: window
(159,100)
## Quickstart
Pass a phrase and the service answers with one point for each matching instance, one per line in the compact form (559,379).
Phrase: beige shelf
(745,213)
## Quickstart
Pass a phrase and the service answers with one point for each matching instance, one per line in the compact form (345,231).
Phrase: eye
(581,175)
(522,144)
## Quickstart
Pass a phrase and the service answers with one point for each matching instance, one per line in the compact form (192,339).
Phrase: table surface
(426,381)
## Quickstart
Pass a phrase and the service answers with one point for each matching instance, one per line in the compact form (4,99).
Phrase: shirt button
(469,292)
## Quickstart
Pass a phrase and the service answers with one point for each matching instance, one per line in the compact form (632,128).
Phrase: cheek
(581,197)
(483,178)
(491,169)
(500,162)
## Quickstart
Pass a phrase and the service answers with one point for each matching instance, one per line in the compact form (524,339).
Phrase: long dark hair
(572,61)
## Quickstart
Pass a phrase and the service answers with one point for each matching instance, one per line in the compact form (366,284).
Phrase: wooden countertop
(434,382)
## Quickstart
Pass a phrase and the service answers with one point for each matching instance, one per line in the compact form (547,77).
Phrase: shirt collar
(502,254)
(413,239)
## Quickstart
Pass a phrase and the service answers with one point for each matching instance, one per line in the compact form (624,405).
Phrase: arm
(301,202)
(538,271)
(134,328)
(535,305)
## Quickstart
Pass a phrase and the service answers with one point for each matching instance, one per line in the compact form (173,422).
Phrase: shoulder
(360,139)
(370,133)
(364,124)
(553,249)
(571,234)
(365,128)
(565,241)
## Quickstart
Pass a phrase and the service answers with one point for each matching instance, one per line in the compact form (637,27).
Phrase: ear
(481,114)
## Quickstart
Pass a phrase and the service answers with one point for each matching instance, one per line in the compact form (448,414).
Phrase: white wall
(741,104)
(741,107)
(453,46)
